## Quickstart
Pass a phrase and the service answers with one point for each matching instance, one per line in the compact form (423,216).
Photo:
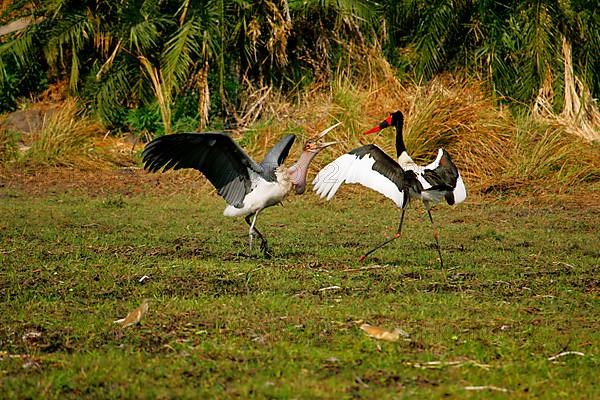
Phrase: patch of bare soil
(126,181)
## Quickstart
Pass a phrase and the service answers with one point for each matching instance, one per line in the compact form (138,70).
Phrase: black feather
(276,156)
(443,177)
(388,167)
(216,155)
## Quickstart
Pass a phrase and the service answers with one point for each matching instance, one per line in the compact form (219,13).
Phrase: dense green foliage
(152,54)
(514,44)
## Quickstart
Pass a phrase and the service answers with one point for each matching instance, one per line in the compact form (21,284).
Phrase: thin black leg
(396,236)
(437,241)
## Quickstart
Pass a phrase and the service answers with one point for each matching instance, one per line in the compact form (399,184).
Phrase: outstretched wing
(216,155)
(276,156)
(443,175)
(369,166)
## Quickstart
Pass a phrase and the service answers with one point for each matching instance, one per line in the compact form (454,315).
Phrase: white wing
(351,168)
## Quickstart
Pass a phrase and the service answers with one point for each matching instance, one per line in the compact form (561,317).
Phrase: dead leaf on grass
(384,334)
(135,316)
(31,336)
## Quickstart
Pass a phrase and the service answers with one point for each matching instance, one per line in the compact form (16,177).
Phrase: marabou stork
(247,187)
(400,180)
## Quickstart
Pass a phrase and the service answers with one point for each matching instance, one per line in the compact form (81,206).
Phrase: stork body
(400,180)
(247,187)
(263,194)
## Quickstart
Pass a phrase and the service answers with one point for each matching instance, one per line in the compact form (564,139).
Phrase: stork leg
(396,236)
(264,246)
(437,241)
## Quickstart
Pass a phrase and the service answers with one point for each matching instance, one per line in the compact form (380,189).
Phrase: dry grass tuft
(8,145)
(66,138)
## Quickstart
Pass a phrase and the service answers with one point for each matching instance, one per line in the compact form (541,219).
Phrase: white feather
(435,163)
(349,168)
(460,191)
(264,194)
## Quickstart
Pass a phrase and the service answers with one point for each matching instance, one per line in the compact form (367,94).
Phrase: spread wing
(443,175)
(276,156)
(369,166)
(216,155)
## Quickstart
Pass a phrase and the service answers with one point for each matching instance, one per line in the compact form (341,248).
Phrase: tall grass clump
(545,156)
(496,151)
(66,139)
(459,117)
(347,107)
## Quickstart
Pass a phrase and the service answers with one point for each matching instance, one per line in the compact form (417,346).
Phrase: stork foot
(264,246)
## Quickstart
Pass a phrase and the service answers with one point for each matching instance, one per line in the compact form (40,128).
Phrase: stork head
(315,144)
(311,148)
(394,119)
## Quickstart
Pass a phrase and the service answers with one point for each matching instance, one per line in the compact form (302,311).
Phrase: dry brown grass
(495,151)
(66,138)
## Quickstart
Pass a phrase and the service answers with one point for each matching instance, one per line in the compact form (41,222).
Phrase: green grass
(523,285)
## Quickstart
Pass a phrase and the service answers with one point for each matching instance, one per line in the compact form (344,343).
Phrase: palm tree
(515,45)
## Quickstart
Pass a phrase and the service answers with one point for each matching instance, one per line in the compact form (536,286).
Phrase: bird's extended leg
(437,241)
(264,246)
(251,230)
(396,236)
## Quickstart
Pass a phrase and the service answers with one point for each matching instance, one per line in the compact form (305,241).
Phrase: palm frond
(21,47)
(182,51)
(143,36)
(68,39)
(112,91)
(433,34)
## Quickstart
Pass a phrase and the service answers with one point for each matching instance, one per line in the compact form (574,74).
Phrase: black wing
(216,155)
(276,156)
(442,175)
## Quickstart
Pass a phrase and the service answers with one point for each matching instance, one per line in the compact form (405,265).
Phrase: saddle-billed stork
(247,187)
(400,180)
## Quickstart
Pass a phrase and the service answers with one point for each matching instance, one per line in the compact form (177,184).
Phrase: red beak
(384,124)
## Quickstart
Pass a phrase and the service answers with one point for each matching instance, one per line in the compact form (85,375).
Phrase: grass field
(523,285)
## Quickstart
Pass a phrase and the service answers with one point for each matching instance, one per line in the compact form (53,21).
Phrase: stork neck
(400,147)
(298,171)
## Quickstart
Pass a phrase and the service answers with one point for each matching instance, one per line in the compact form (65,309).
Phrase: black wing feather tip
(216,155)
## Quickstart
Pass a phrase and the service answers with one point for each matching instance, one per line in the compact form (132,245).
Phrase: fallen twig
(366,268)
(487,387)
(565,353)
(442,364)
(334,287)
(563,263)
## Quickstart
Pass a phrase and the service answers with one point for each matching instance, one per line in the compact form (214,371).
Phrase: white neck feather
(405,161)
